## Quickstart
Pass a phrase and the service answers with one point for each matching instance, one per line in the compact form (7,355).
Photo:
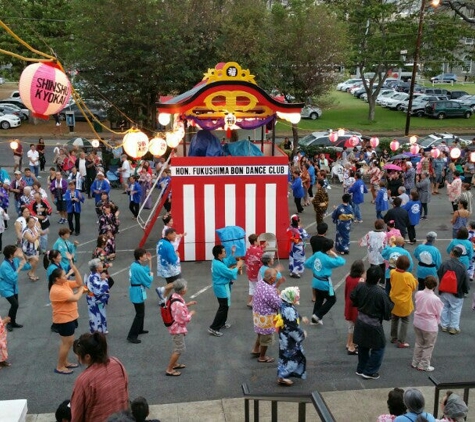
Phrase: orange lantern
(135,143)
(44,89)
(435,153)
(374,142)
(394,145)
(414,149)
(333,137)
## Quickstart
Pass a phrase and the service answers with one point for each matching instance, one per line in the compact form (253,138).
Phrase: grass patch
(351,113)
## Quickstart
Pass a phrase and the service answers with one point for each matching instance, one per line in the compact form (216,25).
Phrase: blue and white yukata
(97,299)
(342,216)
(297,249)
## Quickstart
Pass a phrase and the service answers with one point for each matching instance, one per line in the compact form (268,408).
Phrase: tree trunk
(372,107)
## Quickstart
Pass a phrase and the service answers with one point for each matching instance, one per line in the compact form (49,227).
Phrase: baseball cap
(100,173)
(17,172)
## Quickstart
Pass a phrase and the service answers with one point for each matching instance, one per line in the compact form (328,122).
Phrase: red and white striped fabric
(209,193)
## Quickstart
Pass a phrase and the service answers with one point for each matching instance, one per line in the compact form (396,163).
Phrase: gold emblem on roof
(231,71)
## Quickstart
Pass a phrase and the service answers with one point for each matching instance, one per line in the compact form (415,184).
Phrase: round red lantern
(455,153)
(44,89)
(374,142)
(435,153)
(333,137)
(354,140)
(135,143)
(414,149)
(394,145)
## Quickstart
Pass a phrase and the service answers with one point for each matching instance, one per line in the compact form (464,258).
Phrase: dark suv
(443,109)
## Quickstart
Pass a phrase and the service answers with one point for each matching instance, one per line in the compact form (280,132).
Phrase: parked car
(406,86)
(2,81)
(322,140)
(343,86)
(385,95)
(454,95)
(9,120)
(450,108)
(444,77)
(467,101)
(311,112)
(355,87)
(435,139)
(18,103)
(98,113)
(419,104)
(396,101)
(15,94)
(435,91)
(12,109)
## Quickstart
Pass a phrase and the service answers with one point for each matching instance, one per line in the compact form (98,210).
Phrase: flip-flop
(72,365)
(255,354)
(267,359)
(180,366)
(173,374)
(57,371)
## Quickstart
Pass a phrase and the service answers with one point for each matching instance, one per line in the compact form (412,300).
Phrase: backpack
(448,282)
(166,312)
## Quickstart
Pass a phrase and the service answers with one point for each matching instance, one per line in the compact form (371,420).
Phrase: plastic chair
(272,245)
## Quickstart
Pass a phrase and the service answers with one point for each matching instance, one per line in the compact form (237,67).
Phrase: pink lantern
(414,149)
(374,142)
(44,89)
(394,145)
(455,153)
(333,137)
(354,140)
(435,153)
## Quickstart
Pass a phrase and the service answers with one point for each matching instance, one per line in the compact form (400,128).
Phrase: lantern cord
(26,59)
(25,44)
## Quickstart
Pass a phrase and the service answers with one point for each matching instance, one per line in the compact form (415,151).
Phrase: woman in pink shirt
(181,317)
(426,321)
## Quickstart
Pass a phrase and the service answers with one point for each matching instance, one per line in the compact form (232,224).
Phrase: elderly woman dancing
(97,297)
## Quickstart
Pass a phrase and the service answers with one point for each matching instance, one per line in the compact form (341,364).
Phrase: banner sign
(264,170)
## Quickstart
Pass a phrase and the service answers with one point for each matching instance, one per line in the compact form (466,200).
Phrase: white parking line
(200,291)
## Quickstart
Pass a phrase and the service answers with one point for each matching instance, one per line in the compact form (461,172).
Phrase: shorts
(61,205)
(351,327)
(179,343)
(438,178)
(67,329)
(173,278)
(266,339)
(252,287)
(17,160)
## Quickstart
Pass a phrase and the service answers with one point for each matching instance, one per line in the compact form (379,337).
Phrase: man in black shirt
(399,215)
(317,239)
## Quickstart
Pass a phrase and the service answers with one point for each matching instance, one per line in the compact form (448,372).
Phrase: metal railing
(465,385)
(144,223)
(288,397)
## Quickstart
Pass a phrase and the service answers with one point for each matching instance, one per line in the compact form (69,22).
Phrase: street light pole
(414,66)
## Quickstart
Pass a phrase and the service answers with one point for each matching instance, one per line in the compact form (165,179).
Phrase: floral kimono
(97,299)
(297,235)
(3,342)
(343,216)
(292,361)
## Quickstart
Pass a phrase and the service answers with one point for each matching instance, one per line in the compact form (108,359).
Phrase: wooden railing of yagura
(439,386)
(287,397)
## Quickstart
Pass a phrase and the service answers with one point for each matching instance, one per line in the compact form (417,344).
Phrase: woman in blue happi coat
(342,216)
(98,297)
(292,361)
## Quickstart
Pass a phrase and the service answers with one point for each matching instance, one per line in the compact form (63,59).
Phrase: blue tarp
(233,236)
(205,144)
(242,149)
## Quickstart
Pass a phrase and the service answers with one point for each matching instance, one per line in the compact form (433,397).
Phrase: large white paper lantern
(157,146)
(135,143)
